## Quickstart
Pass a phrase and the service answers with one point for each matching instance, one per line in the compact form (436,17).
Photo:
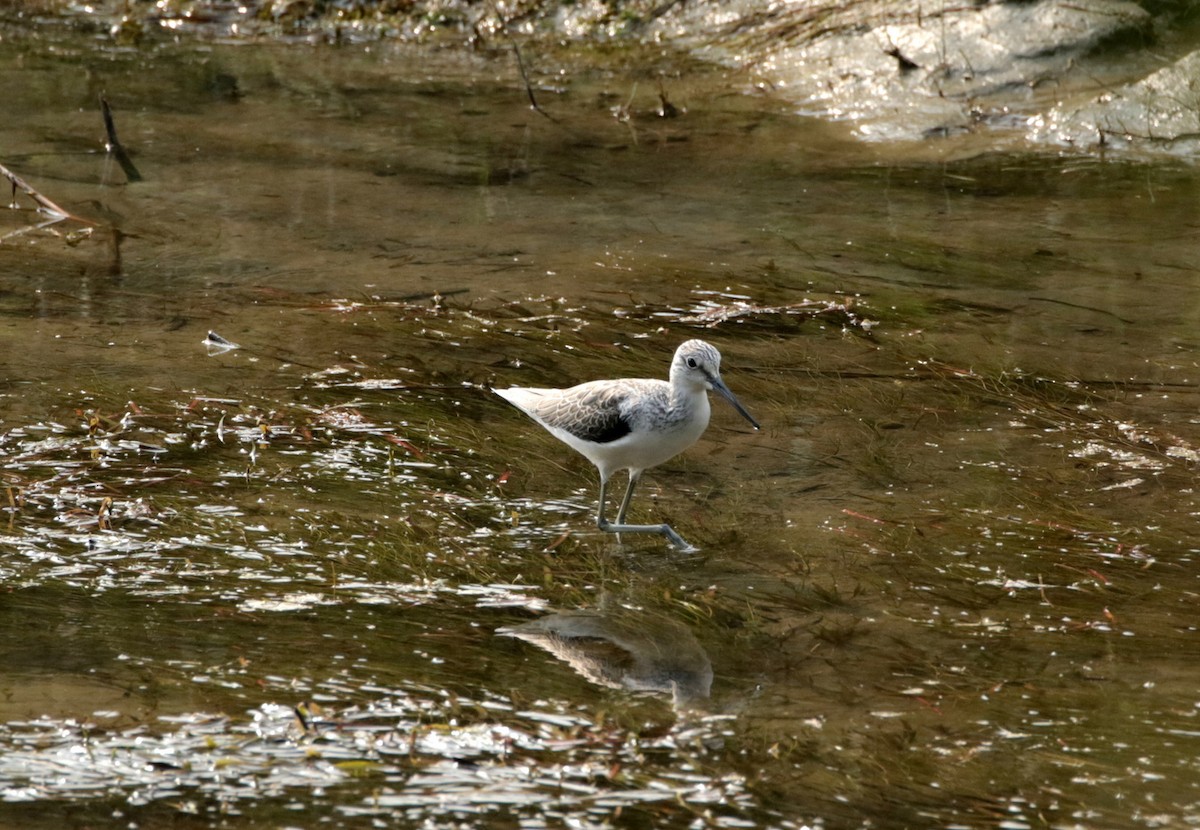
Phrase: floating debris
(216,344)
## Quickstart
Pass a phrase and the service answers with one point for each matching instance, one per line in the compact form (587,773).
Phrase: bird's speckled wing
(598,412)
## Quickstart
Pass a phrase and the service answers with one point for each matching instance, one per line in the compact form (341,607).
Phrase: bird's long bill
(720,386)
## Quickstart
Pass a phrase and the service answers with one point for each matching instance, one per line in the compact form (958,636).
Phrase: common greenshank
(632,424)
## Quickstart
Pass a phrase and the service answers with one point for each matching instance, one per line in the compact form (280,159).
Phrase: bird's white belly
(642,449)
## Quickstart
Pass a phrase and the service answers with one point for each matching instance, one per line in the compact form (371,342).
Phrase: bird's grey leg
(634,475)
(602,522)
(620,526)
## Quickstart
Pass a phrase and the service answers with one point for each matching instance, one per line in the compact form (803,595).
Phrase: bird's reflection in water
(622,649)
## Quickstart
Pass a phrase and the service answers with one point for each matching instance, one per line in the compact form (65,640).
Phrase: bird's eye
(691,362)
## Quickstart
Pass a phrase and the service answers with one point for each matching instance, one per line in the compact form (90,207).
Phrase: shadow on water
(950,583)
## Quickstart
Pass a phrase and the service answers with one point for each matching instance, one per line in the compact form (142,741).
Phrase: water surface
(950,583)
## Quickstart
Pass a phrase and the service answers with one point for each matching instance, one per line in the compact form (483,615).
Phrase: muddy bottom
(311,571)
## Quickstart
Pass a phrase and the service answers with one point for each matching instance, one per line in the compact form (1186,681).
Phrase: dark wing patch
(599,412)
(595,412)
(602,428)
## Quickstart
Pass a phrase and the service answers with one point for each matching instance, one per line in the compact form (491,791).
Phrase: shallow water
(950,583)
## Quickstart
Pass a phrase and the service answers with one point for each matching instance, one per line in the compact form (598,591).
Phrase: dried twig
(31,228)
(20,184)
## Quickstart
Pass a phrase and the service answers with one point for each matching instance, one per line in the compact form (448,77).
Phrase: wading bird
(632,424)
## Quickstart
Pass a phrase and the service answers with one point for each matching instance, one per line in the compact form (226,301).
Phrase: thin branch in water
(54,220)
(500,28)
(114,145)
(1083,308)
(20,184)
(528,86)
